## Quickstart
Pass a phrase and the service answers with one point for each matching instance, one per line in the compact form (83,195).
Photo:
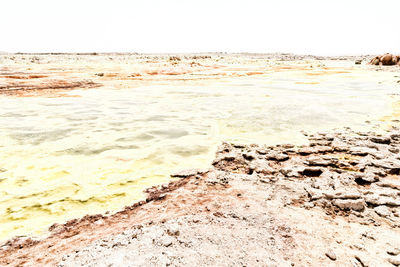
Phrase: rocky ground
(334,202)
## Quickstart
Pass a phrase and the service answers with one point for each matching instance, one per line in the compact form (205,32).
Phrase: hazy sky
(300,26)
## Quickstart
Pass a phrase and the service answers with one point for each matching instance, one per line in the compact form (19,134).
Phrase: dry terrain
(332,202)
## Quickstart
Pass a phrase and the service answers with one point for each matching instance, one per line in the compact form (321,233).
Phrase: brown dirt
(45,88)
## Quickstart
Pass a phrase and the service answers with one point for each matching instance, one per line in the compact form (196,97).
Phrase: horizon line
(185,53)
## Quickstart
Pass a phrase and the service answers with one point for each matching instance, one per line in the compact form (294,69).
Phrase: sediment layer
(36,74)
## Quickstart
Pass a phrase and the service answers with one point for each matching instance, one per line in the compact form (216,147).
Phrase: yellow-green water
(62,158)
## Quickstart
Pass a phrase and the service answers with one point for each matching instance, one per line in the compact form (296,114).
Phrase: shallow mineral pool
(62,158)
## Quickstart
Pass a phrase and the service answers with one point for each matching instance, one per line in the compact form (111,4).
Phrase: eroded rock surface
(344,173)
(385,60)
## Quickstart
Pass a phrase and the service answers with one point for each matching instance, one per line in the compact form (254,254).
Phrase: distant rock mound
(385,60)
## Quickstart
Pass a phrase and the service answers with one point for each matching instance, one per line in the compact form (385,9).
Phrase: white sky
(325,27)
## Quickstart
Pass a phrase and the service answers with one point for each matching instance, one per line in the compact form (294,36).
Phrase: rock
(287,146)
(394,260)
(268,179)
(239,145)
(365,178)
(358,62)
(387,59)
(375,61)
(339,146)
(224,147)
(365,162)
(349,204)
(395,60)
(395,136)
(323,149)
(342,195)
(249,156)
(360,151)
(309,205)
(380,140)
(277,156)
(261,166)
(361,262)
(292,171)
(385,192)
(319,142)
(393,251)
(331,255)
(99,222)
(314,194)
(174,58)
(217,177)
(173,229)
(188,173)
(369,235)
(359,246)
(225,157)
(392,165)
(261,151)
(356,263)
(392,183)
(306,151)
(317,161)
(312,171)
(378,200)
(383,211)
(373,170)
(165,241)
